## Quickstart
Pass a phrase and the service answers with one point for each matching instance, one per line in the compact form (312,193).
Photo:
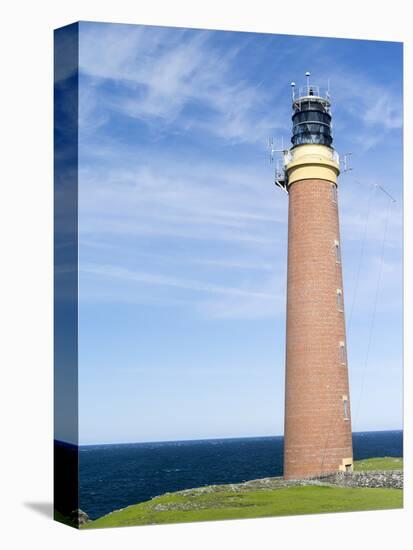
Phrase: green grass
(255,504)
(386,463)
(220,503)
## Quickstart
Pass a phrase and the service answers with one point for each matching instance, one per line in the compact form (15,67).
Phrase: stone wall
(387,479)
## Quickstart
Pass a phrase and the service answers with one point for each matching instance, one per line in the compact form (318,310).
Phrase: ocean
(115,476)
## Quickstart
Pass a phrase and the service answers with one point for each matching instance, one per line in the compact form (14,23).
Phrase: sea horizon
(115,475)
(203,439)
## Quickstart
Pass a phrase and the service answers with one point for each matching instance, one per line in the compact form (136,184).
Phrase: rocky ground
(376,483)
(391,479)
(387,478)
(384,479)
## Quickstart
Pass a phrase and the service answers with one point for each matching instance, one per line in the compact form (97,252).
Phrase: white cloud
(157,74)
(366,111)
(176,200)
(260,300)
(163,72)
(216,217)
(123,211)
(162,280)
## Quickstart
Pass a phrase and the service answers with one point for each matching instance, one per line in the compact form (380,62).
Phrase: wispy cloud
(195,217)
(156,279)
(183,78)
(180,223)
(168,76)
(368,111)
(251,301)
(174,199)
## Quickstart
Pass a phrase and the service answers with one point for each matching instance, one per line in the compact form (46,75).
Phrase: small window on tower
(343,357)
(345,406)
(340,300)
(334,192)
(338,251)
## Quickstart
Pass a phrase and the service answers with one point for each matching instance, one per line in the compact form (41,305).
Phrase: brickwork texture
(317,436)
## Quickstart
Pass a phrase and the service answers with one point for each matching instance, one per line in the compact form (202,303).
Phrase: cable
(373,317)
(361,256)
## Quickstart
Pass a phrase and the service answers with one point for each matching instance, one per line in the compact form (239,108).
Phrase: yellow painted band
(312,162)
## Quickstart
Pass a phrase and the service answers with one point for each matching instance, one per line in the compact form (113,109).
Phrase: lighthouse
(317,429)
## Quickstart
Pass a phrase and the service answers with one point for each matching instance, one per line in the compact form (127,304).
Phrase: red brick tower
(317,436)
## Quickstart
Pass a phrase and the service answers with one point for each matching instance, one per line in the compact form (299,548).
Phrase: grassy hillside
(371,464)
(225,502)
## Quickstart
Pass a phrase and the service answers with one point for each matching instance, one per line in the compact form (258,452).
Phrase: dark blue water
(115,476)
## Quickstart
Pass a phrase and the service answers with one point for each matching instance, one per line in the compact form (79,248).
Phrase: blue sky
(183,236)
